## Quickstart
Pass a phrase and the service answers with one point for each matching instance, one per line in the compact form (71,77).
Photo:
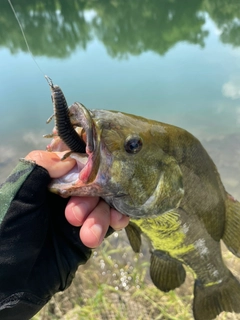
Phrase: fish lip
(87,164)
(80,116)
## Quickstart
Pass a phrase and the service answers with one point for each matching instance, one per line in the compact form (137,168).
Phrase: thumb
(52,162)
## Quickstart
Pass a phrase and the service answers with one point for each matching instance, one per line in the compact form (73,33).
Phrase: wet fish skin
(174,195)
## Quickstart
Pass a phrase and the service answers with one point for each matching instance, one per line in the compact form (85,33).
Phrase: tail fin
(210,301)
(231,236)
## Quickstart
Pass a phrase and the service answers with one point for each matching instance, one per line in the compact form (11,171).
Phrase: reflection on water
(174,62)
(56,28)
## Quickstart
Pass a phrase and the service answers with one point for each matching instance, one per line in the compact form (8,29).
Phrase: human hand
(92,213)
(41,249)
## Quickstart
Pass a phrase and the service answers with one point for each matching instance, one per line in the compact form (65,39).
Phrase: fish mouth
(85,170)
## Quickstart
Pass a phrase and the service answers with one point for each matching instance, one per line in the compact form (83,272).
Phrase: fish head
(126,163)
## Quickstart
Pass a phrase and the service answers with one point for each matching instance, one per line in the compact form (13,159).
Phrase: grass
(115,285)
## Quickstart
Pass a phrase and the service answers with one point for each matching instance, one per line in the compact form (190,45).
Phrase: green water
(174,61)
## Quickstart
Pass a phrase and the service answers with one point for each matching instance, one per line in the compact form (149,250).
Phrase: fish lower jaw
(78,189)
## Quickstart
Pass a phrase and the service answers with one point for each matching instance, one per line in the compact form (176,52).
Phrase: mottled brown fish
(162,177)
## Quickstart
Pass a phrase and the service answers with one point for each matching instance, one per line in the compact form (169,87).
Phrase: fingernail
(97,230)
(78,212)
(119,216)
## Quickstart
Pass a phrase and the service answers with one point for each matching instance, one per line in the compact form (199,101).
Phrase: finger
(117,220)
(78,208)
(96,225)
(52,162)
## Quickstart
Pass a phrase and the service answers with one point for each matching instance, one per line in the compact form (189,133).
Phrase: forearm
(39,250)
(12,184)
(18,204)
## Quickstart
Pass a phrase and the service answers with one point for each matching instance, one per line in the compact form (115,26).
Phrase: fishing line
(24,37)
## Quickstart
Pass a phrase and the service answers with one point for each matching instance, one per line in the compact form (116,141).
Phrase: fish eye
(133,144)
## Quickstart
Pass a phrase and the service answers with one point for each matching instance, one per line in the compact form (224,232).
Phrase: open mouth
(78,171)
(78,133)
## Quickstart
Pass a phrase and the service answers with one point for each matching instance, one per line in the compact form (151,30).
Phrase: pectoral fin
(166,272)
(134,236)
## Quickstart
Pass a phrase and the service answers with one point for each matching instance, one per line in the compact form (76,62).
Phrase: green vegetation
(56,28)
(115,285)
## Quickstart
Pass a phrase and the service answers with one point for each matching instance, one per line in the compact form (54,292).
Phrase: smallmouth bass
(162,177)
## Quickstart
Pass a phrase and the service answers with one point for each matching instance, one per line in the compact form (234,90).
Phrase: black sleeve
(39,250)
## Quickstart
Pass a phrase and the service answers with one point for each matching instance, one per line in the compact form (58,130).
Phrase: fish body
(162,177)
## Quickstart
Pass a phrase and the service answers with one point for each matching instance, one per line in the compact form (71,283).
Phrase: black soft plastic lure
(62,120)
